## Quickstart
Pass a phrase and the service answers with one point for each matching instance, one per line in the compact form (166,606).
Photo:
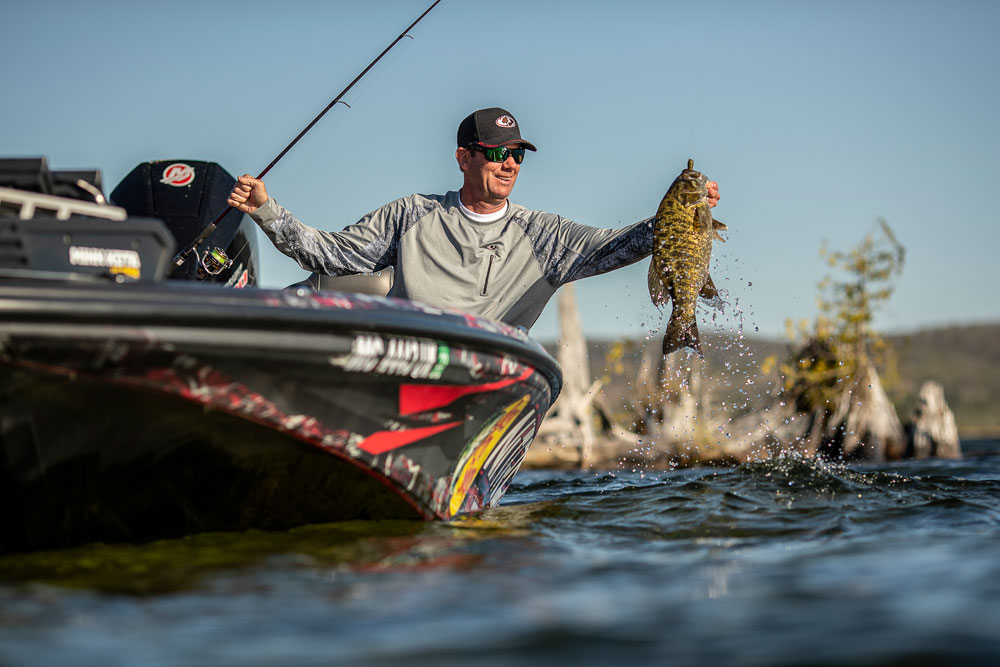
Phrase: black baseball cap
(491,127)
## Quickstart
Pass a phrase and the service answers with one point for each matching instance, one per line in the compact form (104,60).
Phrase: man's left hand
(713,193)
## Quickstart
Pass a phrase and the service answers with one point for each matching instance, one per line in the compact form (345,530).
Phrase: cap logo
(178,175)
(506,121)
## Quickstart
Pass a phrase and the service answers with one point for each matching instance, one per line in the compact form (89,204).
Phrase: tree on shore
(833,373)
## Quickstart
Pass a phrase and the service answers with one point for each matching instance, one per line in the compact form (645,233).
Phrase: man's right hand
(248,194)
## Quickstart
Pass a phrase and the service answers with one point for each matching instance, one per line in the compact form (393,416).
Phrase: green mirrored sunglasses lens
(501,153)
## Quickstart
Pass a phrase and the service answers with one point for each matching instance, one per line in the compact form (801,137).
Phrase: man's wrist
(266,212)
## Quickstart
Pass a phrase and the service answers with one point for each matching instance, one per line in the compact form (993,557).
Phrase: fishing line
(363,90)
(181,257)
(359,95)
(695,107)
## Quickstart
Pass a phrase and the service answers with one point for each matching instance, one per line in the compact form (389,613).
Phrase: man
(472,249)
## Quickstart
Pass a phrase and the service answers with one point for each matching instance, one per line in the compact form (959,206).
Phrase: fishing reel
(213,262)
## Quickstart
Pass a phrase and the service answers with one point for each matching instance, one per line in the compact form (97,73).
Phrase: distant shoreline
(959,357)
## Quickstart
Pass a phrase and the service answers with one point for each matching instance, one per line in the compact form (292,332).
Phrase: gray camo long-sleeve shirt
(504,270)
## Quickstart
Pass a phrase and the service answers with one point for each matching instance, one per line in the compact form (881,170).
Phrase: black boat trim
(222,310)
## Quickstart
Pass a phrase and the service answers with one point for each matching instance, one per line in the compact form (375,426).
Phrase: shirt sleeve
(368,245)
(570,251)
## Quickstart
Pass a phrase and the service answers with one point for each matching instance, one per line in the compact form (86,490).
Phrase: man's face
(487,182)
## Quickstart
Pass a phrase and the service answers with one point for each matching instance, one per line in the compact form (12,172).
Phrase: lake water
(789,562)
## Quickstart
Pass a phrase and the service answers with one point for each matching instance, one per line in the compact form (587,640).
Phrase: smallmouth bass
(683,231)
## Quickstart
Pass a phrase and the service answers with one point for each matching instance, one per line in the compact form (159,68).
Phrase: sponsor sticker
(444,358)
(116,260)
(406,357)
(239,279)
(178,175)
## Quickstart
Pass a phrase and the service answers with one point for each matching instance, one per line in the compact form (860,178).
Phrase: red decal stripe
(383,441)
(415,398)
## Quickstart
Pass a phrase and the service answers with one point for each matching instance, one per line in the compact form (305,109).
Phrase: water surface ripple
(789,562)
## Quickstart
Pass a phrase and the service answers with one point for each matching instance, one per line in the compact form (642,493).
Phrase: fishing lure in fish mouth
(683,231)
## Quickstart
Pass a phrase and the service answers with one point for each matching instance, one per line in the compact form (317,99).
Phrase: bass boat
(138,404)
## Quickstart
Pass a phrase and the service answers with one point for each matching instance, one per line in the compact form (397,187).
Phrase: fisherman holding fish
(471,249)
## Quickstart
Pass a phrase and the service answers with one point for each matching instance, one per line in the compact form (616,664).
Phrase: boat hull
(133,413)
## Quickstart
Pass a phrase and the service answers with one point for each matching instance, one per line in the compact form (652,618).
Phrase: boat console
(58,225)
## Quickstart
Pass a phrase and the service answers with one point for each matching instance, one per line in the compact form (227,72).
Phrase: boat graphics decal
(440,470)
(505,460)
(476,453)
(206,385)
(415,398)
(383,441)
(483,472)
(444,426)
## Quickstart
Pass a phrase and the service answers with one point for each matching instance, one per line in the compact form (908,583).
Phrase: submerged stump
(864,426)
(931,429)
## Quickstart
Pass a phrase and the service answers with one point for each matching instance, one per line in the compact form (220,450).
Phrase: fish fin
(678,335)
(716,226)
(708,290)
(657,284)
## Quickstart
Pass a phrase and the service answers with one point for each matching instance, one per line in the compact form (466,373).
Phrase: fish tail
(680,335)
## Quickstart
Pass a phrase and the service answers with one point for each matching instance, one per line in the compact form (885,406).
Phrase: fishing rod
(181,257)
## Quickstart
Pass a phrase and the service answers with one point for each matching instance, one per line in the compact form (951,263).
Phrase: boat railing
(25,205)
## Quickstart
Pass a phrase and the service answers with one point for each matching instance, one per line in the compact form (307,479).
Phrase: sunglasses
(500,153)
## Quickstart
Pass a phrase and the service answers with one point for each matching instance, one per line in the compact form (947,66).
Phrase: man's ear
(462,156)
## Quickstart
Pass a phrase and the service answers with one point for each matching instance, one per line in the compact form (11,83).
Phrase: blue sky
(815,118)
